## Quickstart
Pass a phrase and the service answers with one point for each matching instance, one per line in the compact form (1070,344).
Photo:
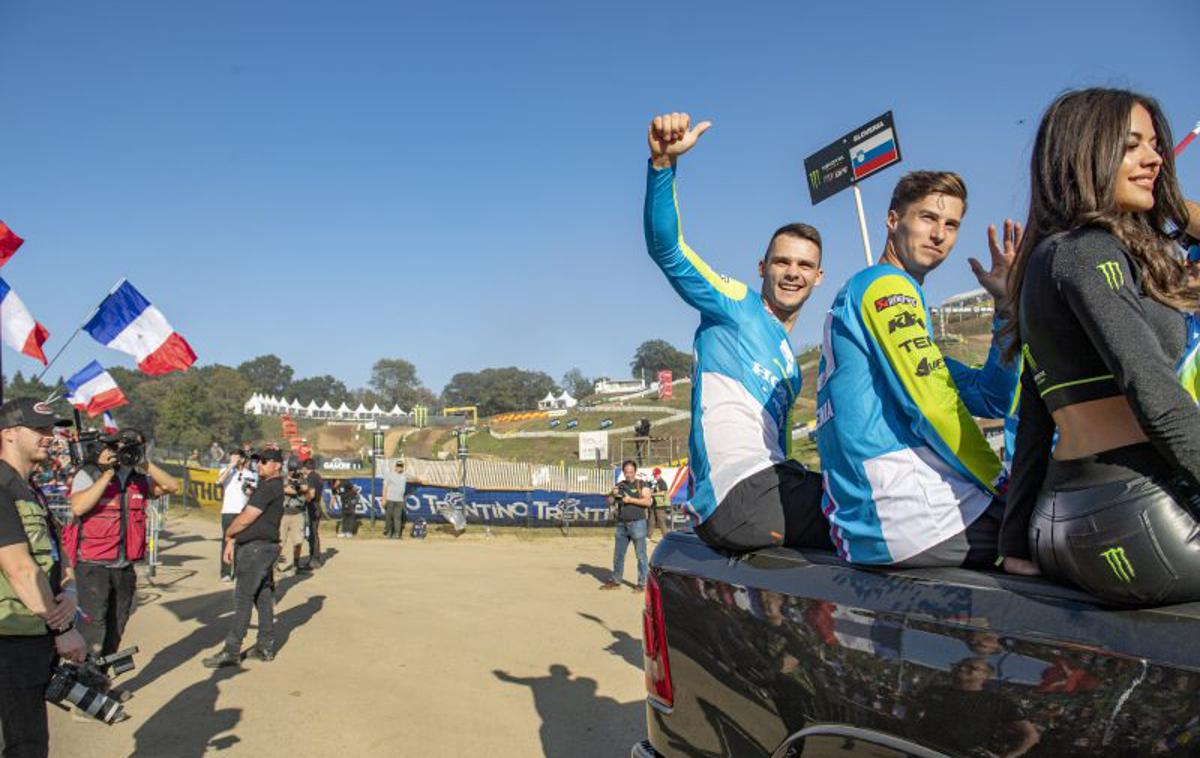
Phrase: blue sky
(460,184)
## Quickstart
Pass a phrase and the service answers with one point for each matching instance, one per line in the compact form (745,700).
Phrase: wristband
(60,632)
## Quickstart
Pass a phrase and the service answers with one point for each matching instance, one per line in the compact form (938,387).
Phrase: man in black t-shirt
(254,537)
(316,486)
(968,716)
(632,499)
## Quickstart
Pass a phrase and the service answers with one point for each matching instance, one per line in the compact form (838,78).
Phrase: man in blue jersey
(909,478)
(748,493)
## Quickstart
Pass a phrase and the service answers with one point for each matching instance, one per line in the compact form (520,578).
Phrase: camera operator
(238,480)
(347,495)
(37,592)
(312,498)
(291,526)
(107,535)
(254,538)
(632,499)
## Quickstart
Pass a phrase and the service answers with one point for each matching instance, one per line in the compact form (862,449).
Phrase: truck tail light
(654,641)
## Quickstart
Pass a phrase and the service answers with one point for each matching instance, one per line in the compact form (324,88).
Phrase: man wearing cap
(238,479)
(252,545)
(107,536)
(37,591)
(394,484)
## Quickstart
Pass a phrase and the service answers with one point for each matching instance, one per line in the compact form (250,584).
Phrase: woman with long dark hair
(1098,295)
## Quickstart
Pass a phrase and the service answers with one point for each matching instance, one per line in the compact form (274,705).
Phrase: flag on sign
(94,391)
(874,153)
(9,242)
(110,424)
(21,332)
(126,321)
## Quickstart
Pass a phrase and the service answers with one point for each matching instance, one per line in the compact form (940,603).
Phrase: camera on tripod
(87,686)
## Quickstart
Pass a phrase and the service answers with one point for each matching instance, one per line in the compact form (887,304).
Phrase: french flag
(20,331)
(9,242)
(874,153)
(94,391)
(126,321)
(110,424)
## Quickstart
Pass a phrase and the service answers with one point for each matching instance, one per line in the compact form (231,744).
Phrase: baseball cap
(25,411)
(271,454)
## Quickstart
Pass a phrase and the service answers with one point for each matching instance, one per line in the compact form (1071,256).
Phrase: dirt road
(499,647)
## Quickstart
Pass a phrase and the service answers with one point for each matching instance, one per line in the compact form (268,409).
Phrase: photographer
(37,593)
(347,495)
(312,497)
(238,480)
(632,499)
(109,498)
(291,526)
(252,545)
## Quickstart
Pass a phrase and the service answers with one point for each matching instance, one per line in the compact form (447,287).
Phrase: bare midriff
(1095,426)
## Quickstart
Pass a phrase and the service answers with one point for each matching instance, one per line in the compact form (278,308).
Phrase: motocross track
(440,647)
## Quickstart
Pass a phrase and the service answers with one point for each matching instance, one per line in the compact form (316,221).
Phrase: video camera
(128,444)
(87,687)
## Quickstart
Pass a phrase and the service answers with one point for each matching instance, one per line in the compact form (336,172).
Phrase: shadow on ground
(599,573)
(624,644)
(576,721)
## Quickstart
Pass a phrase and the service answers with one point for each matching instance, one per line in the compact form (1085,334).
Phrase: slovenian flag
(874,153)
(9,242)
(94,391)
(126,321)
(20,331)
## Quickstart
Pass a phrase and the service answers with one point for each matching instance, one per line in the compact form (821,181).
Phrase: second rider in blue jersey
(749,493)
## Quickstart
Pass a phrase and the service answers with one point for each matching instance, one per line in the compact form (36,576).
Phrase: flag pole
(862,224)
(1188,139)
(80,328)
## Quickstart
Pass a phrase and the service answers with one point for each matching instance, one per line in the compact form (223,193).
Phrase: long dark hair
(1073,171)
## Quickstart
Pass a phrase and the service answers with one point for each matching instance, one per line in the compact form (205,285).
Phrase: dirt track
(499,647)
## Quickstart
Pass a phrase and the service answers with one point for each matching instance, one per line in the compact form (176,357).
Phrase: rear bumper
(644,749)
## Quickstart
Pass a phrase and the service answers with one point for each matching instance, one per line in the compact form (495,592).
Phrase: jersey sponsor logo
(887,301)
(1119,563)
(926,367)
(1114,277)
(905,320)
(916,343)
(824,413)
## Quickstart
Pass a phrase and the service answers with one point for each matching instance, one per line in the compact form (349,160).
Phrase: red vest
(97,535)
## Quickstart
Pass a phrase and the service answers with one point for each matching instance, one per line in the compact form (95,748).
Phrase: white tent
(360,411)
(396,411)
(376,410)
(566,401)
(343,411)
(311,410)
(547,402)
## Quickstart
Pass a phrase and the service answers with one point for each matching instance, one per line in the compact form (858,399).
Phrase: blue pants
(628,531)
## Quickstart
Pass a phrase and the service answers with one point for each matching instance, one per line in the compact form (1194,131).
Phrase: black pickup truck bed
(781,642)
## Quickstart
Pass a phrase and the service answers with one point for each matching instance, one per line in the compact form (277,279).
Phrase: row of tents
(269,405)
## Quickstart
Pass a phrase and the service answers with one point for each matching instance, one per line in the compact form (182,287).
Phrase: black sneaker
(223,658)
(260,653)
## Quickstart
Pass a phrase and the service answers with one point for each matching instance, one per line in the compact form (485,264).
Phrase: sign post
(844,163)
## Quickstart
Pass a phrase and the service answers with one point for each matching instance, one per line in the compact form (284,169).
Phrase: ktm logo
(1113,276)
(905,320)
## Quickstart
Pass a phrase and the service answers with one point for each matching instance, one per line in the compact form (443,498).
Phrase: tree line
(189,410)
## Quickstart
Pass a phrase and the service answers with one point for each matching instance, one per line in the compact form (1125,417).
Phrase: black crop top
(1090,332)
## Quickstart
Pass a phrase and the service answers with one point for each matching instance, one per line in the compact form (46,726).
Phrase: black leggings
(1120,526)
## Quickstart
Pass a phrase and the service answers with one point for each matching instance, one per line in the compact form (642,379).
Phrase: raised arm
(670,136)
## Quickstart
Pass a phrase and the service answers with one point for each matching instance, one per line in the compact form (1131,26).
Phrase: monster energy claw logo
(1112,274)
(814,178)
(1119,563)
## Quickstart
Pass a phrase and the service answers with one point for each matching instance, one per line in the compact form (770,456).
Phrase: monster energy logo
(814,178)
(1119,564)
(1112,274)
